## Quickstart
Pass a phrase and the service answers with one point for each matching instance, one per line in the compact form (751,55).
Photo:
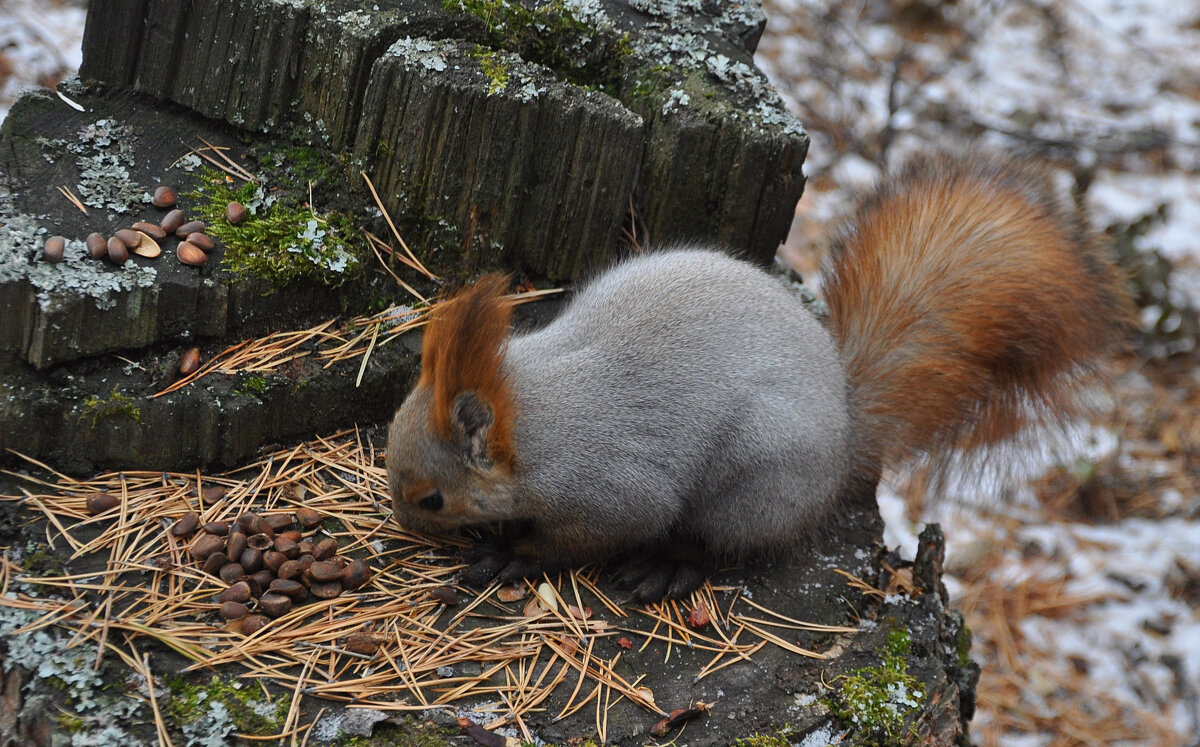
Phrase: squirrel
(684,397)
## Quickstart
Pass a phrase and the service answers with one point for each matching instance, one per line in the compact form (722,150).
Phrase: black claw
(653,586)
(655,577)
(688,578)
(633,570)
(519,568)
(484,568)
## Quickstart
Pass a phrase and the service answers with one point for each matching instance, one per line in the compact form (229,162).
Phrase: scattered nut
(260,580)
(308,517)
(289,588)
(153,231)
(445,595)
(325,589)
(273,559)
(287,547)
(52,250)
(205,546)
(186,525)
(547,596)
(192,226)
(214,563)
(362,643)
(172,220)
(237,543)
(251,624)
(698,617)
(98,503)
(254,523)
(260,542)
(231,572)
(251,560)
(325,571)
(238,592)
(188,365)
(219,528)
(205,242)
(278,522)
(213,493)
(234,610)
(117,251)
(325,549)
(235,212)
(292,534)
(292,569)
(164,197)
(356,574)
(97,247)
(190,254)
(128,237)
(274,604)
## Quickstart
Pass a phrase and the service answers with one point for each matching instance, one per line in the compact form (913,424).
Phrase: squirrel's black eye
(431,502)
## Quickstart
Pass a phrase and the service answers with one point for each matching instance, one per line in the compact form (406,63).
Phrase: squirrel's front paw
(656,577)
(494,560)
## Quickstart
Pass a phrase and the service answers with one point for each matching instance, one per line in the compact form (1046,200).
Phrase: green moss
(407,732)
(250,711)
(42,562)
(69,722)
(899,642)
(781,738)
(280,241)
(115,405)
(962,645)
(495,68)
(305,163)
(585,54)
(253,385)
(878,700)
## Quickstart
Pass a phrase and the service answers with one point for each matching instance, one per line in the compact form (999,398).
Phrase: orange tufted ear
(462,353)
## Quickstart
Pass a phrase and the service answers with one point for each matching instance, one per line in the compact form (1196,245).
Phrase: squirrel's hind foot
(655,576)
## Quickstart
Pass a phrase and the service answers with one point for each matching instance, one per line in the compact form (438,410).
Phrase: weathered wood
(105,415)
(554,167)
(80,307)
(85,345)
(665,109)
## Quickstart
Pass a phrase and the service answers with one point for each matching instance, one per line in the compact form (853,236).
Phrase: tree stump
(526,130)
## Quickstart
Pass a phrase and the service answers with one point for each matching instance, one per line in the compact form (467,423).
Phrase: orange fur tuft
(967,305)
(462,352)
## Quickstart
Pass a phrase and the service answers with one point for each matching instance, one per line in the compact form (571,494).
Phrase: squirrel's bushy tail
(967,304)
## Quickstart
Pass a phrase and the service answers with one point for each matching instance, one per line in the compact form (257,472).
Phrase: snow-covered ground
(40,43)
(1083,588)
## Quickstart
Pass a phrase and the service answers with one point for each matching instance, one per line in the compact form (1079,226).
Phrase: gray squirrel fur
(685,396)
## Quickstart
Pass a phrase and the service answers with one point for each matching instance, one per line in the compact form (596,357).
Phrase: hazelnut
(235,212)
(186,525)
(155,232)
(98,503)
(164,197)
(97,247)
(52,250)
(189,254)
(118,253)
(274,604)
(172,221)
